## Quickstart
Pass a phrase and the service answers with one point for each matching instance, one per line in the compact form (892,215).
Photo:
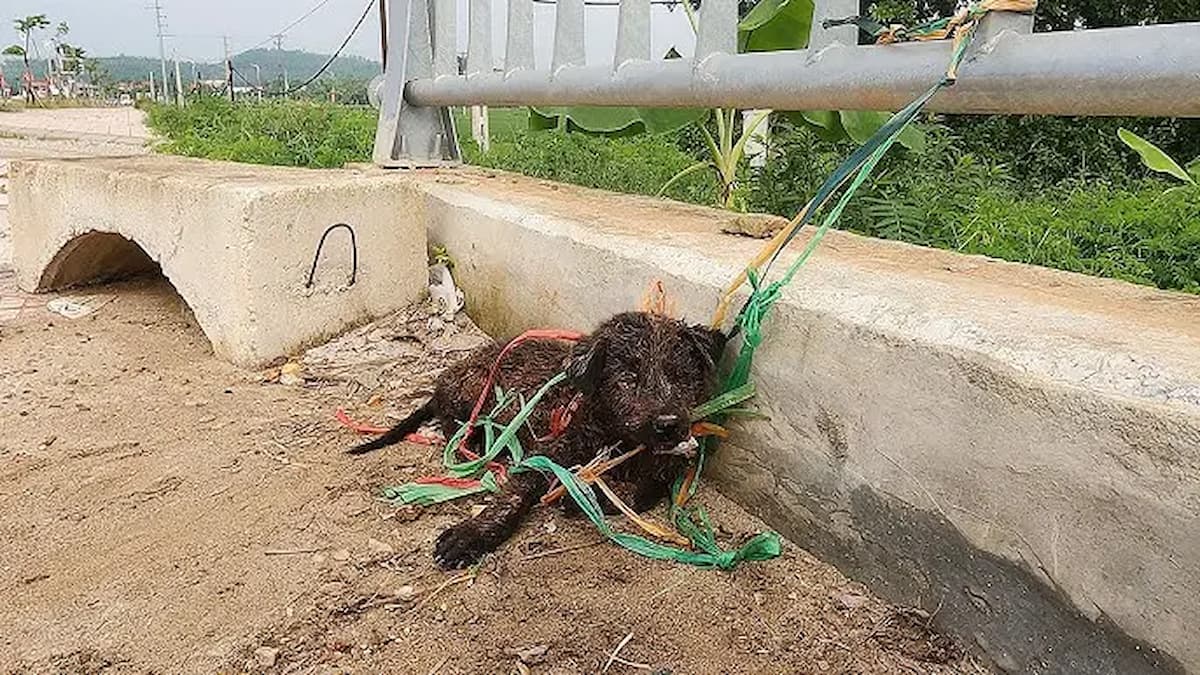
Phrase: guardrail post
(833,9)
(479,60)
(568,34)
(717,33)
(819,38)
(633,32)
(518,47)
(996,23)
(410,136)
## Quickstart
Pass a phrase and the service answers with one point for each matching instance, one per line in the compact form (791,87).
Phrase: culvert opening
(97,257)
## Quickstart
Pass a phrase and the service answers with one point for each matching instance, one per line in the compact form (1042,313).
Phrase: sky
(112,27)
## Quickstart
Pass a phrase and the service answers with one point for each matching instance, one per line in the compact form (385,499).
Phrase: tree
(97,74)
(26,28)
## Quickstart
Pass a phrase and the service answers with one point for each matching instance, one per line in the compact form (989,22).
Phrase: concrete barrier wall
(1014,449)
(236,241)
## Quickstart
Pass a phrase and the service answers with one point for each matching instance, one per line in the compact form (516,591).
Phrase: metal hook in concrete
(353,254)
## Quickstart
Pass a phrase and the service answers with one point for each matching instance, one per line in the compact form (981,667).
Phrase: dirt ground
(163,511)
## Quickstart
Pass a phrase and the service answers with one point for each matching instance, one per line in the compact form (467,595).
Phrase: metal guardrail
(1140,70)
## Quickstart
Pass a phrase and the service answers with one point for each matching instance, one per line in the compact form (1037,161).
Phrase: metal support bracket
(410,136)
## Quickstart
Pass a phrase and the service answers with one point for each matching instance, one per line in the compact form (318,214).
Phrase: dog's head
(646,373)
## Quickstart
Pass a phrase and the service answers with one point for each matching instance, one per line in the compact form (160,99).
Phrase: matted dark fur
(640,375)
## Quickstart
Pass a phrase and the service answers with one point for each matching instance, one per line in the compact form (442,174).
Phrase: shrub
(953,199)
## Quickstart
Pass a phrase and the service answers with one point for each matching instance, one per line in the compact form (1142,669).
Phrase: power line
(325,67)
(277,36)
(336,54)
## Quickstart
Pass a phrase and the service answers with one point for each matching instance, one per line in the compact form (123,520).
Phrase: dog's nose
(666,425)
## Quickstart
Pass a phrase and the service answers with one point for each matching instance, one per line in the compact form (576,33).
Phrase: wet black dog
(639,376)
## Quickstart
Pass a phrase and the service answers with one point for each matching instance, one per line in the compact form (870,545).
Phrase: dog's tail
(398,433)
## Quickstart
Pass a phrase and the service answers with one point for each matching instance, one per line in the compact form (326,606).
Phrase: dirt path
(162,511)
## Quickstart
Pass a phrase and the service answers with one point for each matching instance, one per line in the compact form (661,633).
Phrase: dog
(634,380)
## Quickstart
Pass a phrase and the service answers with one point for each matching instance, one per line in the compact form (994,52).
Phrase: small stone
(340,555)
(756,225)
(531,655)
(477,509)
(377,547)
(266,656)
(406,593)
(550,527)
(851,600)
(291,374)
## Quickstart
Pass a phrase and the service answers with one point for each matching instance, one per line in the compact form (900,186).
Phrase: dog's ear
(710,342)
(584,364)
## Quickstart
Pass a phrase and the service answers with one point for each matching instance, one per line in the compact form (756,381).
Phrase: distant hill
(300,65)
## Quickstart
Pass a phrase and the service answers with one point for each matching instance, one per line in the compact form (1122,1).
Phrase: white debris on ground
(395,360)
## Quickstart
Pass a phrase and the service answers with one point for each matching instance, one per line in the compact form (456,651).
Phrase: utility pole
(383,31)
(278,39)
(228,68)
(160,20)
(258,80)
(178,84)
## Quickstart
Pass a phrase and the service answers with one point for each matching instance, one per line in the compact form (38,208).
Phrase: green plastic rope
(762,547)
(428,494)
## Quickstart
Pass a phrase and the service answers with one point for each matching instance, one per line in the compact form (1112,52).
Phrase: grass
(633,165)
(1120,224)
(286,133)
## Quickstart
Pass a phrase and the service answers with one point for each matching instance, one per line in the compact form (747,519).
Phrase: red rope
(560,418)
(364,428)
(449,481)
(536,334)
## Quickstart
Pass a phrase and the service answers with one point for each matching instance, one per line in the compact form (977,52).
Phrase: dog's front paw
(461,546)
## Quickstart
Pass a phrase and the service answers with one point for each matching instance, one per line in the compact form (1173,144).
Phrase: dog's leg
(467,542)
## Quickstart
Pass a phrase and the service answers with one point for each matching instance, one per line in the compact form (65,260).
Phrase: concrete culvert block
(236,241)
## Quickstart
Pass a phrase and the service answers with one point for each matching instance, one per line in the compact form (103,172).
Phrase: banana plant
(725,155)
(1157,160)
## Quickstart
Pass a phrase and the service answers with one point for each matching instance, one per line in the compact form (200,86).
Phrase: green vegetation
(1117,225)
(287,133)
(639,164)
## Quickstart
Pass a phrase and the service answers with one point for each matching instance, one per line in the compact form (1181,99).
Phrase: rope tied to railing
(864,159)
